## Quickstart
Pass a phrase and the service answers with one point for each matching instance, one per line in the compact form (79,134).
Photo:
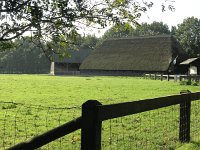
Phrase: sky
(183,9)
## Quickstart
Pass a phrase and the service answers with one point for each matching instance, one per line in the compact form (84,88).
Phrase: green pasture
(41,102)
(69,91)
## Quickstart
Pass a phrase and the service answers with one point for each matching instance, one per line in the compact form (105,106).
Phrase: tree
(145,29)
(26,58)
(188,35)
(61,21)
(155,28)
(54,17)
(126,30)
(88,41)
(7,45)
(173,30)
(119,31)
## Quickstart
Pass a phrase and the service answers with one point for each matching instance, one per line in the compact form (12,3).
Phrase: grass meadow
(33,104)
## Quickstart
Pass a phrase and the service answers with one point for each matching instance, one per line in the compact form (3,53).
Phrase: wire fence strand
(156,129)
(21,122)
(195,121)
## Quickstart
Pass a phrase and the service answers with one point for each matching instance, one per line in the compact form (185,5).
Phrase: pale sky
(184,9)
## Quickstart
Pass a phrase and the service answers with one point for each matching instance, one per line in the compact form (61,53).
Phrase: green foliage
(26,58)
(119,31)
(89,41)
(7,45)
(188,35)
(185,82)
(155,28)
(173,30)
(62,48)
(126,30)
(50,18)
(189,82)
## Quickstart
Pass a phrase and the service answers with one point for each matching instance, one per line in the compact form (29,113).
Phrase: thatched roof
(76,56)
(139,54)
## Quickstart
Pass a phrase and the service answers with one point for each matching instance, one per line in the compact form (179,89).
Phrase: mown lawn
(67,90)
(41,95)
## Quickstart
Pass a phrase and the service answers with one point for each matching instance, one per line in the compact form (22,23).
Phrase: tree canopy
(145,29)
(51,18)
(25,58)
(188,35)
(155,28)
(58,19)
(119,31)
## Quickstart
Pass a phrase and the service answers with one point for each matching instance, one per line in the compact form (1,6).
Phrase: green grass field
(40,95)
(70,91)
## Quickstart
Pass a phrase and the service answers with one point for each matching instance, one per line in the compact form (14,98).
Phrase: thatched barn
(139,55)
(71,64)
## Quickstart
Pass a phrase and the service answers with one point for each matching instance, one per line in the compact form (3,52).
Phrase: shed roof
(76,56)
(139,53)
(188,61)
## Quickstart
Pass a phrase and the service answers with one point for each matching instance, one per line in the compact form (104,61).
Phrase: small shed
(193,65)
(69,65)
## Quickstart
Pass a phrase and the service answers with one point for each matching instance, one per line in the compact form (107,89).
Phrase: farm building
(69,65)
(134,56)
(193,66)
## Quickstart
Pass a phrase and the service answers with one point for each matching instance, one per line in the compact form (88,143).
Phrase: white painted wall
(193,70)
(52,68)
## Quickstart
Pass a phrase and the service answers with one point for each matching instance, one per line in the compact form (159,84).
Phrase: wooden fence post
(175,78)
(91,126)
(185,110)
(180,78)
(155,76)
(168,77)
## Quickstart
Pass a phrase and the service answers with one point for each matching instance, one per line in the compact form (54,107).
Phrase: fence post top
(185,92)
(91,103)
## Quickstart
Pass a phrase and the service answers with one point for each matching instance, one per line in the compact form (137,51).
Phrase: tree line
(24,57)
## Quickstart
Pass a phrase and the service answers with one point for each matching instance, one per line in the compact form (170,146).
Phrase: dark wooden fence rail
(93,113)
(129,108)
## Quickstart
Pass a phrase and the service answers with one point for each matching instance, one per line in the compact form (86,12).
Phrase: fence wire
(20,122)
(195,121)
(156,129)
